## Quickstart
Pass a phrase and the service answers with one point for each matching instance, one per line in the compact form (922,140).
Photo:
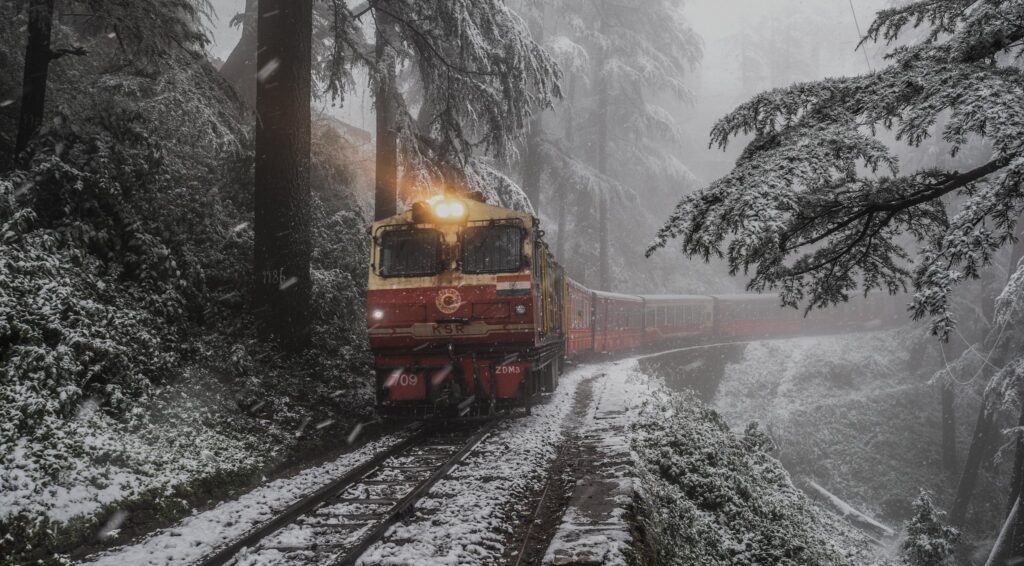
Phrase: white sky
(716,84)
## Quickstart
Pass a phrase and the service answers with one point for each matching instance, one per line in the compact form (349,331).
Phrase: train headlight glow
(377,314)
(449,209)
(520,309)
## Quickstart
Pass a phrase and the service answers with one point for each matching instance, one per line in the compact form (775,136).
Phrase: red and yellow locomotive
(465,308)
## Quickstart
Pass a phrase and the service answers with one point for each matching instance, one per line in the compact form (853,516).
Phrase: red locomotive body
(463,307)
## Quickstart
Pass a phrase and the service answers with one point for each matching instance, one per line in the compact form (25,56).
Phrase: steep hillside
(131,388)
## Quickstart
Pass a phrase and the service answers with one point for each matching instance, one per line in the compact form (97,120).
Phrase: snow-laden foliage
(147,29)
(928,542)
(709,497)
(620,60)
(816,204)
(479,75)
(636,54)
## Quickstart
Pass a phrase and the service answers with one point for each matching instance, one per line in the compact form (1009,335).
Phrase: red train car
(748,316)
(618,322)
(579,325)
(677,318)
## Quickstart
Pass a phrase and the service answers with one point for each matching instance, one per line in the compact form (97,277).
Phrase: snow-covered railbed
(200,534)
(467,518)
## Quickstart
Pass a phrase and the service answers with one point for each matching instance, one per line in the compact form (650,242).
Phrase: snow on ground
(200,534)
(594,529)
(846,413)
(466,517)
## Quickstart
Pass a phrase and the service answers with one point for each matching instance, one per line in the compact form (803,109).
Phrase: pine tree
(477,72)
(817,206)
(146,28)
(619,57)
(928,542)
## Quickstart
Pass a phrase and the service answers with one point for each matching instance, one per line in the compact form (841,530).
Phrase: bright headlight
(377,314)
(520,309)
(449,209)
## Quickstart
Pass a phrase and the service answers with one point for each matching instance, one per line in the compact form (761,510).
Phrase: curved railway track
(338,522)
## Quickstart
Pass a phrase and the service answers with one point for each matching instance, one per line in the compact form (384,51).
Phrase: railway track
(338,522)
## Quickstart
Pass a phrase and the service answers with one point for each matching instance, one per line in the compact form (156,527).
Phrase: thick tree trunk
(385,201)
(983,431)
(240,67)
(37,70)
(282,199)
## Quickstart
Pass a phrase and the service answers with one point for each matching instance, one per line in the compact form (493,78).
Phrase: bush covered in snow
(928,542)
(126,367)
(709,497)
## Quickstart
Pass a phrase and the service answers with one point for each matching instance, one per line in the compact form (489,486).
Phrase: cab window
(407,253)
(492,249)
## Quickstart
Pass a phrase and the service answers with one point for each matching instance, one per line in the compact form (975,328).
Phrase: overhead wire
(860,36)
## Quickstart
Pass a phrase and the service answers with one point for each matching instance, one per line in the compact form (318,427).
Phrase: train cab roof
(453,210)
(671,299)
(747,297)
(617,296)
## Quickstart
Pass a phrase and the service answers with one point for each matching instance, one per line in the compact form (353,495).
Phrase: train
(469,313)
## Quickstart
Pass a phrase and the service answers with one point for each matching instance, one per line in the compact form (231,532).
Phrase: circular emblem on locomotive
(448,301)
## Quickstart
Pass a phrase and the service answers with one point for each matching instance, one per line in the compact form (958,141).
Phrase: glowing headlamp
(449,209)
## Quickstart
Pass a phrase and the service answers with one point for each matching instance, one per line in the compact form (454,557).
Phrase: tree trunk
(949,426)
(983,431)
(37,70)
(283,243)
(532,167)
(604,273)
(385,200)
(563,192)
(1018,462)
(240,67)
(532,163)
(1016,550)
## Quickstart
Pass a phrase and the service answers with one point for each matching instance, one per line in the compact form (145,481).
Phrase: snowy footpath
(594,529)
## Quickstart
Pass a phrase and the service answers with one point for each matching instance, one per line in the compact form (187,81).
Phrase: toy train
(468,312)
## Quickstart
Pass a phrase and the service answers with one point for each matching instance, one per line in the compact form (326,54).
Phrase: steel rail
(311,501)
(405,505)
(355,477)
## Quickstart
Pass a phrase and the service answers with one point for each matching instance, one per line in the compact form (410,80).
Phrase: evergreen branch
(77,50)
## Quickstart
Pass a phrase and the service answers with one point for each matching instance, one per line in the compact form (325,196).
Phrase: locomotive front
(459,320)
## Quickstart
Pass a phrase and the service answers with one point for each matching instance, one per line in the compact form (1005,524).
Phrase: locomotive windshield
(492,249)
(410,252)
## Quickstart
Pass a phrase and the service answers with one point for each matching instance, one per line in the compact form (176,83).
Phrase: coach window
(407,253)
(492,249)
